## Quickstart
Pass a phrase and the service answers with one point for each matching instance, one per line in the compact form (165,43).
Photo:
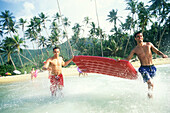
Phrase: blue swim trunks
(147,72)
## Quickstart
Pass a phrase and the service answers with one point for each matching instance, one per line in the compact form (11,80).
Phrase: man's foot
(150,89)
(150,94)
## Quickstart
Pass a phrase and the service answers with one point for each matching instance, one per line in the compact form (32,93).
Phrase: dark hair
(137,33)
(56,48)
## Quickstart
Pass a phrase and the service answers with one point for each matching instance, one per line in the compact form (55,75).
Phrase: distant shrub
(26,68)
(6,68)
(10,69)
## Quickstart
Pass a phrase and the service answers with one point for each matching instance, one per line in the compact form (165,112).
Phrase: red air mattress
(106,66)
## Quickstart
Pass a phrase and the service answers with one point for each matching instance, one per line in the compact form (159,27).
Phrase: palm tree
(7,49)
(115,44)
(100,35)
(112,46)
(31,34)
(112,17)
(38,28)
(66,21)
(127,26)
(53,40)
(144,16)
(43,20)
(64,27)
(1,60)
(34,29)
(7,22)
(77,28)
(22,23)
(57,16)
(17,45)
(67,24)
(93,31)
(132,6)
(1,30)
(87,22)
(76,36)
(160,9)
(43,43)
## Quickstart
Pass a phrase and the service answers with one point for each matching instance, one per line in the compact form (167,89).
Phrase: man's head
(138,36)
(56,50)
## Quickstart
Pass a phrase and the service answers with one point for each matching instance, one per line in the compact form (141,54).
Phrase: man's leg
(150,88)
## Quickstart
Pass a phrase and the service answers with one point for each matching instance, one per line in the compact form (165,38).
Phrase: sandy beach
(71,71)
(158,61)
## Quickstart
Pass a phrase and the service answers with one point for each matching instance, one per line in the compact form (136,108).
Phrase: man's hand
(49,69)
(117,60)
(44,68)
(164,56)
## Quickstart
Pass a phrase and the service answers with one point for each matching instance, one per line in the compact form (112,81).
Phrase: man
(144,53)
(54,65)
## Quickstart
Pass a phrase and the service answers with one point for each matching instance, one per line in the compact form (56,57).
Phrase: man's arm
(67,62)
(130,55)
(154,49)
(46,65)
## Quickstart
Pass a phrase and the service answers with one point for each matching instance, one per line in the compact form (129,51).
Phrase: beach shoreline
(70,71)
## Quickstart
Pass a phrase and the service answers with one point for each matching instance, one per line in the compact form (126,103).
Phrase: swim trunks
(57,79)
(79,70)
(147,72)
(35,73)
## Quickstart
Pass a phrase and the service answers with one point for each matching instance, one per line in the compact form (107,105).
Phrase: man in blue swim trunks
(144,52)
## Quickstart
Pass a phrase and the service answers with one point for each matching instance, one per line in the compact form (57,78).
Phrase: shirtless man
(54,66)
(144,53)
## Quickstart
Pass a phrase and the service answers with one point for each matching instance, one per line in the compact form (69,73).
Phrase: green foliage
(26,68)
(6,68)
(115,57)
(10,69)
(117,43)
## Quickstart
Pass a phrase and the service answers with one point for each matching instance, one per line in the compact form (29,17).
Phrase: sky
(74,10)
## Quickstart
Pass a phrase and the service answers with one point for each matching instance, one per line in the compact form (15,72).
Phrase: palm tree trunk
(161,37)
(67,50)
(20,60)
(2,60)
(130,33)
(65,29)
(101,45)
(126,47)
(28,59)
(30,55)
(47,52)
(12,62)
(42,55)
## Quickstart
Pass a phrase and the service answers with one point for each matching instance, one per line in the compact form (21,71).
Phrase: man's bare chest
(56,62)
(144,50)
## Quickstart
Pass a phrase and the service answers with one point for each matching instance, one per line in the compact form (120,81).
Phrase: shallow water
(92,94)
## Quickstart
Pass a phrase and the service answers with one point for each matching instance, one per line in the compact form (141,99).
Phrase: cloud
(27,12)
(28,6)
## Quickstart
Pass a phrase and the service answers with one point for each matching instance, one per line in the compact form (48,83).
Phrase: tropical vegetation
(88,38)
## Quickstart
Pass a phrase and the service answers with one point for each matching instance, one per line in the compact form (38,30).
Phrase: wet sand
(71,71)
